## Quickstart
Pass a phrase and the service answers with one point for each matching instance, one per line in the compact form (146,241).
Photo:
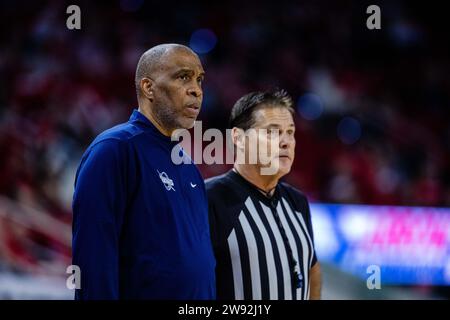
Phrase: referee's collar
(272,201)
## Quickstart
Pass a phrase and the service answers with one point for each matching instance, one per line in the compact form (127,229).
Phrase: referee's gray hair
(150,61)
(243,110)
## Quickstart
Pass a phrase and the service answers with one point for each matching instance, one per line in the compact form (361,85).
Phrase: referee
(261,227)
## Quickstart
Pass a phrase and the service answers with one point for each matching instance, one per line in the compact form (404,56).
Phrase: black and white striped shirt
(258,240)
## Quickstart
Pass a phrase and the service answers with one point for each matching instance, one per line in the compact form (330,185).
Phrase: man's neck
(151,117)
(252,174)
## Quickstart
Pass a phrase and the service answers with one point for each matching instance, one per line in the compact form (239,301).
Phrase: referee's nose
(285,141)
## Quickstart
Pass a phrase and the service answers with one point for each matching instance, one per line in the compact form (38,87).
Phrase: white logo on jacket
(168,183)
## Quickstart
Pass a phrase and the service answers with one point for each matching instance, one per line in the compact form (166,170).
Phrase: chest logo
(168,183)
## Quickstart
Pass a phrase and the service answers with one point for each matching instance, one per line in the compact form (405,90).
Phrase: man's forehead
(182,59)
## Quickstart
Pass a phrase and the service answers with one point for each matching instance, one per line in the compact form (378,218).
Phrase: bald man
(140,222)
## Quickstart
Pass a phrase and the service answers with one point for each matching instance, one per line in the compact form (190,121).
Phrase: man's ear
(146,85)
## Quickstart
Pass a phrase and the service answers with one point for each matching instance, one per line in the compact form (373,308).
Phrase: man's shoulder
(112,143)
(121,132)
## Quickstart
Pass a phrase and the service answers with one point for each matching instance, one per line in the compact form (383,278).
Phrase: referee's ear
(238,138)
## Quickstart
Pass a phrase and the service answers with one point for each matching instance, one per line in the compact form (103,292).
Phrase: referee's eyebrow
(276,125)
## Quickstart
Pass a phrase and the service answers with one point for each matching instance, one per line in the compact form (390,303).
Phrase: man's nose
(195,91)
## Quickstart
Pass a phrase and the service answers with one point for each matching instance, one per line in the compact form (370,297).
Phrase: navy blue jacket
(140,222)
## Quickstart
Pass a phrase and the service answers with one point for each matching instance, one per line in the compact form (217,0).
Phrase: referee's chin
(279,167)
(285,165)
(284,170)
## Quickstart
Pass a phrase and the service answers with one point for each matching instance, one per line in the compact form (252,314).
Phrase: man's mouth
(193,109)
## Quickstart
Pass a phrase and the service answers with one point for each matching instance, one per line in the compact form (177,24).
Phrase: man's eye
(184,77)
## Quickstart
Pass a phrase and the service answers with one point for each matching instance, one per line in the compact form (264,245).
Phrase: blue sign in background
(410,245)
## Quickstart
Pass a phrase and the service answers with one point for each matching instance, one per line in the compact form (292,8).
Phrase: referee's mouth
(284,156)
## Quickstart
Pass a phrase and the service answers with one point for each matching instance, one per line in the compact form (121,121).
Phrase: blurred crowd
(373,120)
